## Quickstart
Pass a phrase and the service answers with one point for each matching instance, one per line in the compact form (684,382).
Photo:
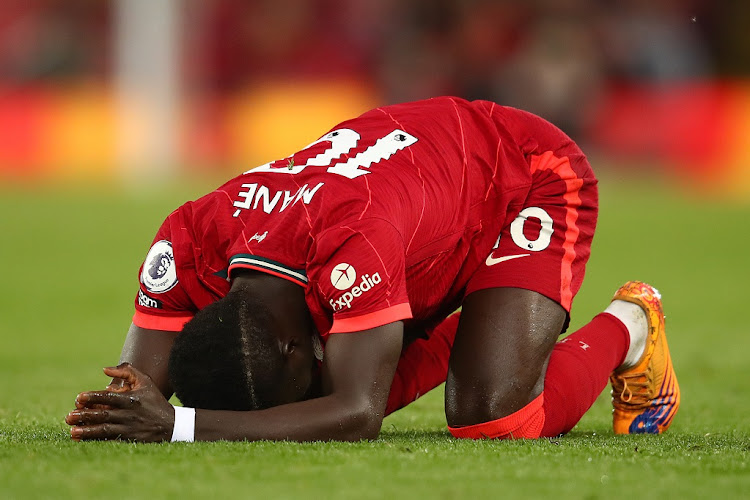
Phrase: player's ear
(297,346)
(288,346)
(292,344)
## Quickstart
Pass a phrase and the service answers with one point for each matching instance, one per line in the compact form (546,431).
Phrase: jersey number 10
(342,141)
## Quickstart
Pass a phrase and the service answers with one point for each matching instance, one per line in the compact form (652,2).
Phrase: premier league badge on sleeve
(159,274)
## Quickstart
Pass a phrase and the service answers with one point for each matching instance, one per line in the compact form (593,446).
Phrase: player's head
(233,355)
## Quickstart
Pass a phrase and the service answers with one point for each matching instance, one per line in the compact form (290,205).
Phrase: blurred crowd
(552,57)
(411,48)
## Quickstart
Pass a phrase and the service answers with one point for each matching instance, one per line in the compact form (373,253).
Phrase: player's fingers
(105,431)
(118,385)
(80,404)
(129,375)
(112,399)
(100,407)
(93,417)
(123,371)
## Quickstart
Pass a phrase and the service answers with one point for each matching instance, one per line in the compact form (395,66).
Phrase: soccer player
(355,246)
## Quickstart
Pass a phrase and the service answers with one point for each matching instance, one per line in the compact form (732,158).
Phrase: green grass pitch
(69,261)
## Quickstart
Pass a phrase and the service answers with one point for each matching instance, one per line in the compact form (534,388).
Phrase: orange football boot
(646,396)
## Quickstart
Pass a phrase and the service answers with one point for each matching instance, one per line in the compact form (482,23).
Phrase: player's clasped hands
(133,411)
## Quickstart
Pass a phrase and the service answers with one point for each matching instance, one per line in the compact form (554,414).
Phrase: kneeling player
(382,228)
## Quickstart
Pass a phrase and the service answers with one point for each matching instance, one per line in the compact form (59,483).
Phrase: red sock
(578,371)
(526,423)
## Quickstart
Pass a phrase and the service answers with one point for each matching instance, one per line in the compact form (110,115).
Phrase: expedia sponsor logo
(345,301)
(146,301)
(343,276)
(159,274)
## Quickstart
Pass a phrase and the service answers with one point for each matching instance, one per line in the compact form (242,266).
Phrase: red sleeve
(159,322)
(423,365)
(162,302)
(359,270)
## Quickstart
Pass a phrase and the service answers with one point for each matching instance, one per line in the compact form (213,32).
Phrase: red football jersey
(394,215)
(384,218)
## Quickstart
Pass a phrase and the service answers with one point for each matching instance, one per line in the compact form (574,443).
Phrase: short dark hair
(227,357)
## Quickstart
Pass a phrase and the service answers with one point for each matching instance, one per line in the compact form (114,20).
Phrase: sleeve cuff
(166,323)
(371,320)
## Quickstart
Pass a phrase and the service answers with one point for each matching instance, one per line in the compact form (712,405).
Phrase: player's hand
(133,411)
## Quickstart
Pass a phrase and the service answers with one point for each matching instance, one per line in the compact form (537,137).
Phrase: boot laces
(635,389)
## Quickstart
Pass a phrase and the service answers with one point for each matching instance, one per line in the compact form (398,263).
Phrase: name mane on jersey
(260,195)
(324,152)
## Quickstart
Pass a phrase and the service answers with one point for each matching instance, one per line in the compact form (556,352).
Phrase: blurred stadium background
(114,112)
(137,89)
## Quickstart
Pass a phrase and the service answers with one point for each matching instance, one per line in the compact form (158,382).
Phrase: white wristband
(184,424)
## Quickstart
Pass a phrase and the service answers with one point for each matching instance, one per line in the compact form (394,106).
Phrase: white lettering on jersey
(342,142)
(260,195)
(345,301)
(264,194)
(384,148)
(146,301)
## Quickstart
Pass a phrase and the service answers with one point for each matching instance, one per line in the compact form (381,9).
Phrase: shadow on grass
(414,434)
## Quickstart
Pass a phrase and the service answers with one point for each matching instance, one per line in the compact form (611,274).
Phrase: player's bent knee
(526,423)
(499,357)
(486,401)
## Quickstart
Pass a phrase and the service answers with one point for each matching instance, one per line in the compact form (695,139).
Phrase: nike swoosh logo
(491,261)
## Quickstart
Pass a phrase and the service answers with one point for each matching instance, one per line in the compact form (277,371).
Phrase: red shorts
(546,247)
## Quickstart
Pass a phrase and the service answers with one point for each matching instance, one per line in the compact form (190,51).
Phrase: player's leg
(498,362)
(517,303)
(502,381)
(629,341)
(578,371)
(626,343)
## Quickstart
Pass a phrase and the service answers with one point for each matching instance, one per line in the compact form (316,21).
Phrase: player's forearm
(148,351)
(323,419)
